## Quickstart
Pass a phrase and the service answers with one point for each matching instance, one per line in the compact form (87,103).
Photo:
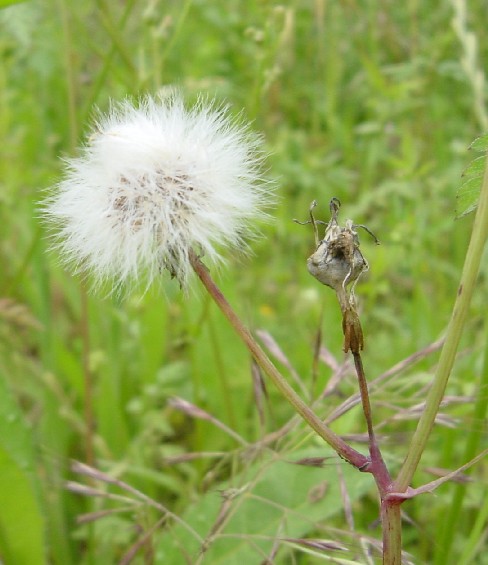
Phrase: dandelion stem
(344,450)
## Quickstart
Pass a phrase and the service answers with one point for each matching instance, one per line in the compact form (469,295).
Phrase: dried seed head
(156,182)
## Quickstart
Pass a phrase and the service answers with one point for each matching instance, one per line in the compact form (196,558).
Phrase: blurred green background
(375,103)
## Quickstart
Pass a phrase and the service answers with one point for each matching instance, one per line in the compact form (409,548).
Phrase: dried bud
(353,332)
(337,262)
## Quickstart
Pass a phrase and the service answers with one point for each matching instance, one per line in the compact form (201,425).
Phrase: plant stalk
(378,467)
(390,509)
(358,460)
(465,291)
(392,532)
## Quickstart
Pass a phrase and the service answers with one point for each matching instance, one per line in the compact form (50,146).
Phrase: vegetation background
(375,103)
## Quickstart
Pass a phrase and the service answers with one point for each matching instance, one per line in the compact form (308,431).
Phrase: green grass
(373,103)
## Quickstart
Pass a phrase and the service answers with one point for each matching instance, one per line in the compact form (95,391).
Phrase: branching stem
(390,509)
(378,467)
(344,450)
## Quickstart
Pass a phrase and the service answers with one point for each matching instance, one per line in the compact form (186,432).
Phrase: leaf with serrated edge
(467,197)
(480,143)
(476,167)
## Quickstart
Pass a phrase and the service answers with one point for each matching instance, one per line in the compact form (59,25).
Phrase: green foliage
(6,3)
(22,537)
(277,500)
(468,194)
(373,103)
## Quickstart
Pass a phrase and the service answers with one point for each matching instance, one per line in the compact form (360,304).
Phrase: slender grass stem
(71,85)
(87,379)
(454,331)
(101,78)
(115,33)
(344,450)
(473,544)
(222,374)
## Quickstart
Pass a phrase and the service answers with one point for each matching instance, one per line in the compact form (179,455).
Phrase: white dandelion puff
(155,182)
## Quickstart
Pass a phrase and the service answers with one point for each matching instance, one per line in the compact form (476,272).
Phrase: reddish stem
(390,508)
(378,466)
(358,460)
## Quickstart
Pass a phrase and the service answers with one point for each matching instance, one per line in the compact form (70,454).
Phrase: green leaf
(278,499)
(15,435)
(480,143)
(476,167)
(467,197)
(21,521)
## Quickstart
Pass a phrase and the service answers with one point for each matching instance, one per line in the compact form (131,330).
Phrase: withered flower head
(338,262)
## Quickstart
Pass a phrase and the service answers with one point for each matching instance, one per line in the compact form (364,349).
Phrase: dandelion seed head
(154,182)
